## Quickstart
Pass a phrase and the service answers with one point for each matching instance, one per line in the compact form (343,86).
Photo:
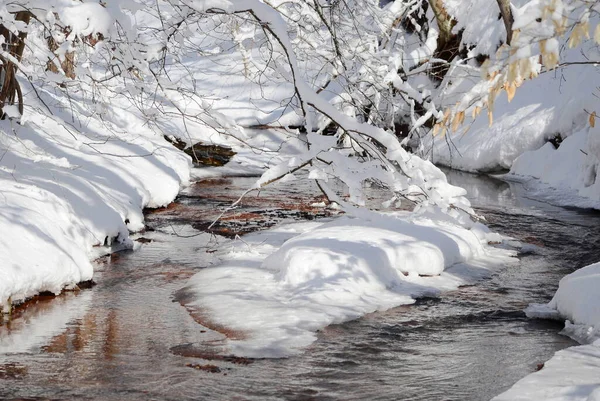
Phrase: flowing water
(127,338)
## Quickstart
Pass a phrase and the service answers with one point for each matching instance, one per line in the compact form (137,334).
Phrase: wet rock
(191,351)
(204,155)
(12,371)
(206,368)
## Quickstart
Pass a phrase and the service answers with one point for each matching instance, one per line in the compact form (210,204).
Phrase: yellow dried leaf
(585,29)
(446,117)
(515,35)
(575,39)
(550,60)
(511,89)
(512,72)
(457,120)
(476,111)
(592,119)
(491,117)
(597,34)
(436,129)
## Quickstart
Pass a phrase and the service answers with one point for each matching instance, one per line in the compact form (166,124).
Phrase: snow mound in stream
(273,294)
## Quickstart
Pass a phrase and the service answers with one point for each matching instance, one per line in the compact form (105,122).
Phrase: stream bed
(128,338)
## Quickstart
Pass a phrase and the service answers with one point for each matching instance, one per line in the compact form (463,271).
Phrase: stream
(128,337)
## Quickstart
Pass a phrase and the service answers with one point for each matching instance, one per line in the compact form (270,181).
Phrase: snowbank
(567,175)
(572,374)
(578,301)
(273,294)
(542,108)
(71,190)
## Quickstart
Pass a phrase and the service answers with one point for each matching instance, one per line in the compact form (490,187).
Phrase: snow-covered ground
(572,374)
(275,289)
(70,192)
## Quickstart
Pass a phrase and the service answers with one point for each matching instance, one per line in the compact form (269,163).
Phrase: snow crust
(277,288)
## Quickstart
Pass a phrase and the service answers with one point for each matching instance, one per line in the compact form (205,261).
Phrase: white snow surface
(70,189)
(572,374)
(275,289)
(567,175)
(578,301)
(542,108)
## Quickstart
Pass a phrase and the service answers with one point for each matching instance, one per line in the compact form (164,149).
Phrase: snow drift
(275,295)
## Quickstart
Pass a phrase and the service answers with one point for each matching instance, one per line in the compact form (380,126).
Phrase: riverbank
(71,193)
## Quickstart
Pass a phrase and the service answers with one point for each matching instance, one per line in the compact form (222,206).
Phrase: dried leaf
(592,119)
(456,122)
(511,89)
(446,117)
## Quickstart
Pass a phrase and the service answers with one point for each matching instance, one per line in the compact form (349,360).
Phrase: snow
(577,300)
(564,176)
(574,373)
(68,198)
(542,108)
(277,288)
(87,19)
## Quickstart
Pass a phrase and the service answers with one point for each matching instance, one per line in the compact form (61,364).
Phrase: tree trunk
(507,17)
(14,45)
(444,21)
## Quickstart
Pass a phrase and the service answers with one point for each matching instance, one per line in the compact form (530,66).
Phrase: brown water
(126,338)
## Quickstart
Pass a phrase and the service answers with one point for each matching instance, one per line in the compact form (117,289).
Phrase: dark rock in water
(206,368)
(204,155)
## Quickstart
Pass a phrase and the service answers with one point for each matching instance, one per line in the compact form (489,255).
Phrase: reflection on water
(42,320)
(125,339)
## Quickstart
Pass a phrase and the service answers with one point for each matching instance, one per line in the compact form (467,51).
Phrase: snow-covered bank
(564,176)
(70,190)
(541,109)
(572,374)
(577,301)
(275,289)
(553,110)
